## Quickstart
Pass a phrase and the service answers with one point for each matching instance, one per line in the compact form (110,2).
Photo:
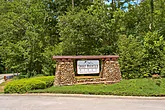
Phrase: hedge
(47,79)
(25,85)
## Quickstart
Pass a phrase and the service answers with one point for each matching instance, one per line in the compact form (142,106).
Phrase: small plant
(158,82)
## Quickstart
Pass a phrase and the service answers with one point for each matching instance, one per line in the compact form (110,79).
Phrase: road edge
(87,96)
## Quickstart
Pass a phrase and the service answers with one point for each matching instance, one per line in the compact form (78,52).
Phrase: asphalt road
(12,102)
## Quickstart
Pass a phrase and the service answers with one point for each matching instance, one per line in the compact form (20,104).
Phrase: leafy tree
(56,8)
(131,57)
(91,31)
(154,53)
(2,68)
(31,32)
(23,35)
(79,33)
(137,20)
(159,16)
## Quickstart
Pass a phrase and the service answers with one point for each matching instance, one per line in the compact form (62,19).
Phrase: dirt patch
(2,85)
(2,88)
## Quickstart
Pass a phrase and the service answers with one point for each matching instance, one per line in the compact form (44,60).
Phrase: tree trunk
(72,4)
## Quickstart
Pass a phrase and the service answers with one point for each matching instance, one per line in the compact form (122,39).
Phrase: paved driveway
(2,76)
(76,103)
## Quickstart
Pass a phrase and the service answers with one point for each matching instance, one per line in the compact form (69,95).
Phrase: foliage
(74,36)
(24,39)
(58,8)
(32,31)
(131,57)
(133,87)
(154,53)
(148,31)
(2,68)
(92,31)
(49,80)
(141,59)
(24,85)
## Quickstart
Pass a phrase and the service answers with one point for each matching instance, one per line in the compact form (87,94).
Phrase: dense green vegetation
(32,31)
(133,87)
(25,85)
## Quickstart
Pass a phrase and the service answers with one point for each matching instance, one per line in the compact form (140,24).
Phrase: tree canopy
(32,31)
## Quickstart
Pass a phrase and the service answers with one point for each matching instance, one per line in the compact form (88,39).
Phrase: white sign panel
(87,66)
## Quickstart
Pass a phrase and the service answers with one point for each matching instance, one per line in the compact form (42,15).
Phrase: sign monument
(67,67)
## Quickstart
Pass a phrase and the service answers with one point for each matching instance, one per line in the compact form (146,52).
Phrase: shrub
(131,57)
(25,85)
(154,51)
(47,79)
(142,59)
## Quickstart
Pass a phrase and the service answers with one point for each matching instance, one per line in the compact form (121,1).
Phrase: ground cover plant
(132,87)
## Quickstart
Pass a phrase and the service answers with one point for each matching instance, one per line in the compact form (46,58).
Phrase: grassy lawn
(133,87)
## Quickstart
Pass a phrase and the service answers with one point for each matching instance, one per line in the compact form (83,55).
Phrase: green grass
(133,87)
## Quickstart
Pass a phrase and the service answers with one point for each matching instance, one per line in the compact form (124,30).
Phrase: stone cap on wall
(103,57)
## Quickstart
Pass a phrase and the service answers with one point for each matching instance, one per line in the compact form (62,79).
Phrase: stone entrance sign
(107,68)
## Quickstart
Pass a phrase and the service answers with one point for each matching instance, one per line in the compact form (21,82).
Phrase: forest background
(32,31)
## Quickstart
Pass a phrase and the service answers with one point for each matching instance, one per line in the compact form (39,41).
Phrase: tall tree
(91,31)
(23,35)
(56,8)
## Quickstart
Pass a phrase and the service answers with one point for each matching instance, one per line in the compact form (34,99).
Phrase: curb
(87,96)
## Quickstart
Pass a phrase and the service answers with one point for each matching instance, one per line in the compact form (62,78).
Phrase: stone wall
(110,73)
(111,70)
(64,73)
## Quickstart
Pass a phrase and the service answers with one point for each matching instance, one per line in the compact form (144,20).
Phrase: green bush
(144,58)
(131,57)
(154,53)
(24,85)
(47,79)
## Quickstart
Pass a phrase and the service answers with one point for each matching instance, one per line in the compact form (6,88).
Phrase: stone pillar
(111,70)
(64,73)
(102,68)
